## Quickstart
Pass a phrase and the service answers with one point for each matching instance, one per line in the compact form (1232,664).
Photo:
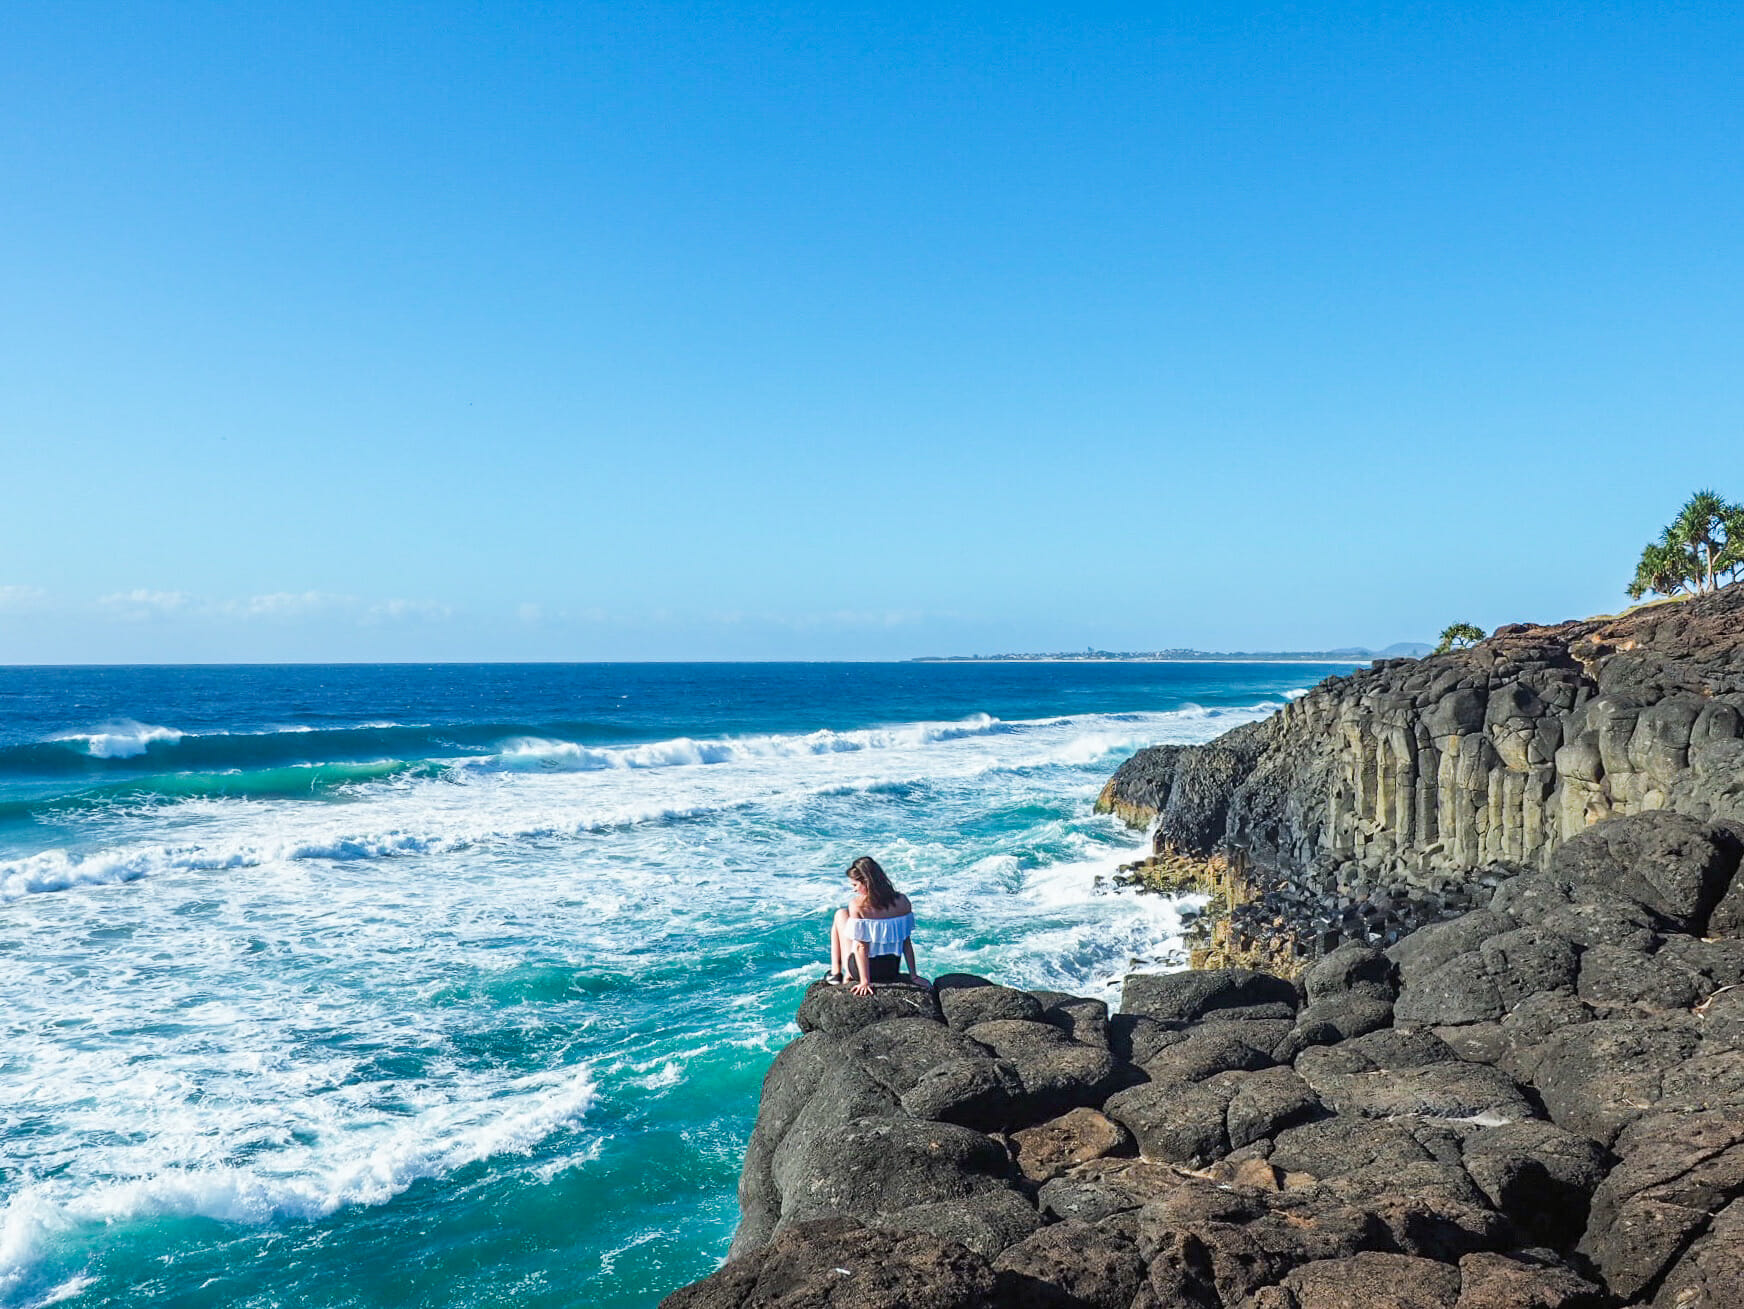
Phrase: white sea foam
(328,1156)
(520,795)
(123,739)
(522,753)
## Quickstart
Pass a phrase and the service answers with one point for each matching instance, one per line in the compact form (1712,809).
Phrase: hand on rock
(862,988)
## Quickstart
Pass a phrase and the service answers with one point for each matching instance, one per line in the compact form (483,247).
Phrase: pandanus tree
(1698,552)
(1457,636)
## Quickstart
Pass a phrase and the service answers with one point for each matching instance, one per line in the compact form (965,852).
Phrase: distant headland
(1347,655)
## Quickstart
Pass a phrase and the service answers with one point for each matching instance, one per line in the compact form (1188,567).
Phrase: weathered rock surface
(1399,794)
(1538,1104)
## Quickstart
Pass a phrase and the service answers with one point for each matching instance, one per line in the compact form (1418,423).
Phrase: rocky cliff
(1536,1105)
(1509,1076)
(1400,790)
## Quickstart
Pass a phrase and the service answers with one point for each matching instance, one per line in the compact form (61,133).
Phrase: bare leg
(837,948)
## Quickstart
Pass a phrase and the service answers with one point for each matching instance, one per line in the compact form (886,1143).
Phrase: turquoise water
(455,986)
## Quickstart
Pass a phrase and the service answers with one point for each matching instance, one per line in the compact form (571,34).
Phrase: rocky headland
(1508,1072)
(1404,792)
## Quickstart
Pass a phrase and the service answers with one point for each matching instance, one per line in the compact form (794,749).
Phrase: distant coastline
(1349,655)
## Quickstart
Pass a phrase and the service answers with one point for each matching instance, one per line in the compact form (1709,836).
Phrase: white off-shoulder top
(883,935)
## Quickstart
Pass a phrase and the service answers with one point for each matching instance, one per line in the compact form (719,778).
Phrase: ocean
(455,985)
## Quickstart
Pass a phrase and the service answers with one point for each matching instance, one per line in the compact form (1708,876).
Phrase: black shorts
(883,967)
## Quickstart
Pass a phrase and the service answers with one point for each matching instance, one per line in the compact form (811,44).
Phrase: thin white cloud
(289,604)
(140,604)
(16,598)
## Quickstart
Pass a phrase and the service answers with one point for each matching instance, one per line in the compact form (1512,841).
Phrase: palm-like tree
(1704,543)
(1457,636)
(1701,526)
(1730,559)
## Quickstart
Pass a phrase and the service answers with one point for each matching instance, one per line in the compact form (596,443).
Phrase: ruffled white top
(882,935)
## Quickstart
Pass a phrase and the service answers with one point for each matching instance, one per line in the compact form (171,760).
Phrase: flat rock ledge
(1536,1105)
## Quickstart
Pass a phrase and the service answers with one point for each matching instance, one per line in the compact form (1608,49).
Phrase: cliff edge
(1399,793)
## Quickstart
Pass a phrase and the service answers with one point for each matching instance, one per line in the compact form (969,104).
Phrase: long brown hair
(867,873)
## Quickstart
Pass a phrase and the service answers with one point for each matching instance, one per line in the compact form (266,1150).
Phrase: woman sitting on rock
(868,936)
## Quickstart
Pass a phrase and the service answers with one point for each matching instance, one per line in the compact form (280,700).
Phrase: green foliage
(1699,551)
(1457,636)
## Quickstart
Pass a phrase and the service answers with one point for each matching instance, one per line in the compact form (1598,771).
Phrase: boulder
(1215,1048)
(1190,996)
(1137,1039)
(1370,1279)
(1598,1077)
(837,1262)
(1339,1147)
(836,1009)
(1674,865)
(1095,1191)
(875,1166)
(1070,1265)
(1049,1149)
(1085,1021)
(1677,1171)
(985,1094)
(1178,1123)
(1470,1092)
(787,1087)
(1612,977)
(1523,1280)
(1338,1017)
(1266,1103)
(1057,1072)
(1540,1175)
(1352,968)
(964,1006)
(1211,1245)
(988,1222)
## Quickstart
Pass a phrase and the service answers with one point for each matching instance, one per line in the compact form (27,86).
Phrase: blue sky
(748,331)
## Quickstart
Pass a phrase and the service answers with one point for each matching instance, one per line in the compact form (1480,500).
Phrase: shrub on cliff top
(1457,636)
(1699,551)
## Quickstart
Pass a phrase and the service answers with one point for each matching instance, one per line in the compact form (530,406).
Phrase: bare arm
(863,958)
(913,969)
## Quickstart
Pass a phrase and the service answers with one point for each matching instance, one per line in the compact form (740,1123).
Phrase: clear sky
(577,331)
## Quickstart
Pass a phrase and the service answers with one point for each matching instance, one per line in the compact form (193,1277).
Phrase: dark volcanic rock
(988,1222)
(1369,1279)
(837,1262)
(1187,997)
(964,1006)
(1178,1123)
(1537,1102)
(1396,796)
(1049,1149)
(1071,1265)
(1540,1174)
(1674,865)
(837,1010)
(1207,1244)
(1057,1072)
(874,1166)
(1679,1173)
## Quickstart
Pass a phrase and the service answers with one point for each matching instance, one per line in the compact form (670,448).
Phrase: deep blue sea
(455,985)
